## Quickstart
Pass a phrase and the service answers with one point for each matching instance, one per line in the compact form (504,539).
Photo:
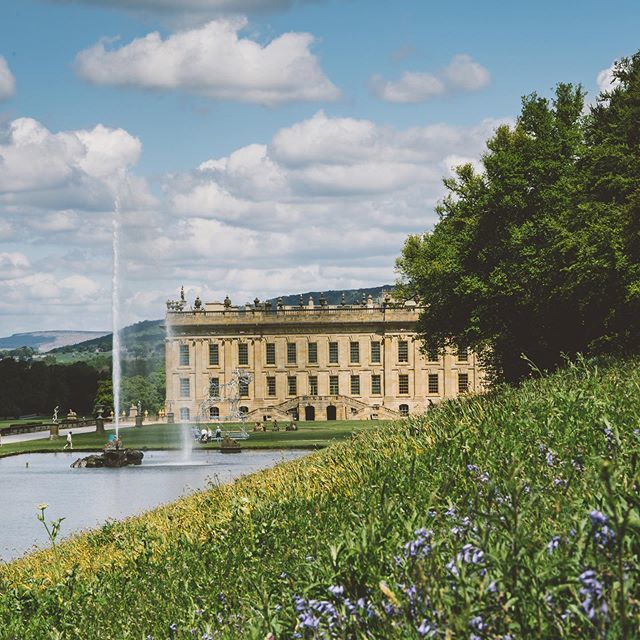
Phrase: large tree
(526,263)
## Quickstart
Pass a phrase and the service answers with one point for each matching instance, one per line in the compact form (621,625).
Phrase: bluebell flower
(559,482)
(598,518)
(336,590)
(554,543)
(426,629)
(549,459)
(472,468)
(592,592)
(477,623)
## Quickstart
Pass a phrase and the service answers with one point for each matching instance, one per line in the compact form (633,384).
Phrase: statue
(182,294)
(227,302)
(139,408)
(197,303)
(55,415)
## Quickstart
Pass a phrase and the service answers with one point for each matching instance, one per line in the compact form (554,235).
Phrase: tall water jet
(115,314)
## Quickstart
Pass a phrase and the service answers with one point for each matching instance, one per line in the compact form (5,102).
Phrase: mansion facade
(312,361)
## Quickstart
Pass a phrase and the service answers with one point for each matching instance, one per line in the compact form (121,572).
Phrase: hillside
(514,515)
(45,341)
(351,296)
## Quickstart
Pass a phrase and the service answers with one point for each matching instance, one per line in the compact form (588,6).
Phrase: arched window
(214,413)
(185,415)
(404,410)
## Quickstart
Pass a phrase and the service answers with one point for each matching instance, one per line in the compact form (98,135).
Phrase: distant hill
(138,340)
(351,296)
(45,341)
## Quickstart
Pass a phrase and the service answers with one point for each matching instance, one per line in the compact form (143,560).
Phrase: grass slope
(510,516)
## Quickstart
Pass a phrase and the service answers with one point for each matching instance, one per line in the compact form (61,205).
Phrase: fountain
(115,308)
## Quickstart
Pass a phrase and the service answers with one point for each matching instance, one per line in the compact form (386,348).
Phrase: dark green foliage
(537,255)
(509,516)
(35,387)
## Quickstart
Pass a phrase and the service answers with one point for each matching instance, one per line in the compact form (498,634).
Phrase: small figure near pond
(69,444)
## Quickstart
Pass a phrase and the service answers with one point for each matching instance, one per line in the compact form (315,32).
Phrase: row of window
(312,353)
(433,385)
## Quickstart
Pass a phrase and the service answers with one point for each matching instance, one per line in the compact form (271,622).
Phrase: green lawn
(311,435)
(9,421)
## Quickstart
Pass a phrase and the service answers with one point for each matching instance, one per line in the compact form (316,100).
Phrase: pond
(86,498)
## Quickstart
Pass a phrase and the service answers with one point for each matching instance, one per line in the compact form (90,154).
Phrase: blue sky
(257,147)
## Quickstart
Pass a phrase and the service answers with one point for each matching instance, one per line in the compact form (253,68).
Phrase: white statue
(55,415)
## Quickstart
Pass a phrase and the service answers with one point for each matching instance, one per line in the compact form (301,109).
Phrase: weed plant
(514,515)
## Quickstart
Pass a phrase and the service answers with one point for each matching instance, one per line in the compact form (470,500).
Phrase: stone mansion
(312,361)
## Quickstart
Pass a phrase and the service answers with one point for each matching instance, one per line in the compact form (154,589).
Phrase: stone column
(100,424)
(54,431)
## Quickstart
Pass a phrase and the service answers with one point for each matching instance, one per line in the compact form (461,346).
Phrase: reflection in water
(86,498)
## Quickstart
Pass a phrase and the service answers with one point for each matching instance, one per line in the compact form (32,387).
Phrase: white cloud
(13,265)
(34,159)
(605,79)
(215,61)
(413,86)
(461,74)
(467,75)
(7,81)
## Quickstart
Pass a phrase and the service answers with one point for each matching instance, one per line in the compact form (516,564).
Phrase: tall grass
(515,515)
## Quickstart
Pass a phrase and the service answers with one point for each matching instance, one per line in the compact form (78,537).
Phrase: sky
(253,147)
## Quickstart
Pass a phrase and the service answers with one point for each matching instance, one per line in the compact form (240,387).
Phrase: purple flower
(426,629)
(598,518)
(336,590)
(592,592)
(554,543)
(559,482)
(471,468)
(549,459)
(477,623)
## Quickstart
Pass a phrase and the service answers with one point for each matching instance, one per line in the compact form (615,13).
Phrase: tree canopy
(537,253)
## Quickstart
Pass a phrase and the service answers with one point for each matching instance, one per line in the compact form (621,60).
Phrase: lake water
(86,498)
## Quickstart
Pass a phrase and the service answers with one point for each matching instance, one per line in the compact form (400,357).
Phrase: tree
(521,261)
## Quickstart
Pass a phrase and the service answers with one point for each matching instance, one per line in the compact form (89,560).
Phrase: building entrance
(331,412)
(309,413)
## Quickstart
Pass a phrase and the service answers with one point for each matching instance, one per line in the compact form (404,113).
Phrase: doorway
(331,412)
(309,413)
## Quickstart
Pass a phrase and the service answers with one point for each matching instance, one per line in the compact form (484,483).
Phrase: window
(333,353)
(375,352)
(404,410)
(403,384)
(243,388)
(214,355)
(313,385)
(244,412)
(376,387)
(463,382)
(292,353)
(313,352)
(214,413)
(271,353)
(463,354)
(271,386)
(403,351)
(433,386)
(185,415)
(355,385)
(354,352)
(184,355)
(292,386)
(243,353)
(184,387)
(214,387)
(333,385)
(433,355)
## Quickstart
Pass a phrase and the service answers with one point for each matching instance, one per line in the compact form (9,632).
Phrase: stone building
(313,361)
